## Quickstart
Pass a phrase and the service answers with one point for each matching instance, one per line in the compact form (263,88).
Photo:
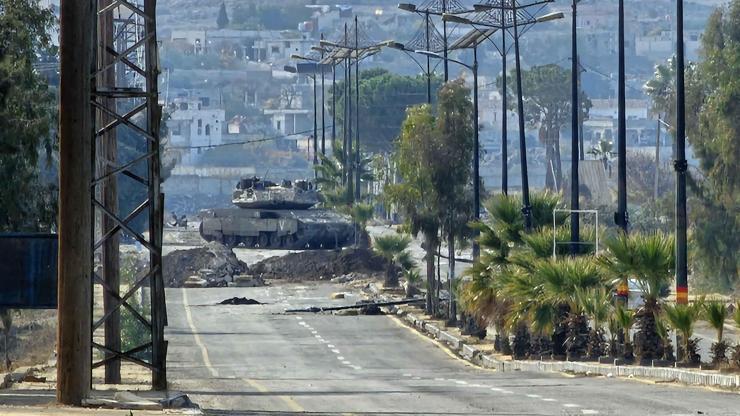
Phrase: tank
(279,216)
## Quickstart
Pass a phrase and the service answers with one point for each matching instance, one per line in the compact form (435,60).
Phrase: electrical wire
(265,139)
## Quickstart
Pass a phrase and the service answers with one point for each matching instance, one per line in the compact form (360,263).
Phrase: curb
(475,356)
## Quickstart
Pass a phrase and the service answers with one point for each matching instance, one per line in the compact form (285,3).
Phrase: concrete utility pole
(75,208)
(108,156)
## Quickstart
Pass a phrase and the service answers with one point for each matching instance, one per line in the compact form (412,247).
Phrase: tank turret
(261,194)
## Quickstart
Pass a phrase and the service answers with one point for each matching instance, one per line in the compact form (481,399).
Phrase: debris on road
(320,265)
(248,280)
(363,305)
(336,296)
(240,301)
(214,263)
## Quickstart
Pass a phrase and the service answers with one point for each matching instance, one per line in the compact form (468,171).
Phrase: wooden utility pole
(75,216)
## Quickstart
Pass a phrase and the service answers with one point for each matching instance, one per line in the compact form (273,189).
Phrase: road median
(477,354)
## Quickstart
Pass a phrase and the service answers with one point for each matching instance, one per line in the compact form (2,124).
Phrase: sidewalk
(32,391)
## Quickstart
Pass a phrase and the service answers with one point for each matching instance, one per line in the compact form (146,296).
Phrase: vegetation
(394,249)
(547,102)
(433,155)
(27,114)
(715,314)
(683,318)
(383,99)
(285,14)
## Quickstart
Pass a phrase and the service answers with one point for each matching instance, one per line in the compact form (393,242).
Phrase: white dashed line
(571,405)
(548,400)
(408,375)
(335,351)
(416,378)
(589,412)
(340,358)
(318,336)
(299,318)
(356,367)
(314,332)
(330,345)
(534,396)
(439,379)
(461,382)
(345,362)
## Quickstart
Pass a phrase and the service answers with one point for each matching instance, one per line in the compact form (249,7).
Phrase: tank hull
(277,229)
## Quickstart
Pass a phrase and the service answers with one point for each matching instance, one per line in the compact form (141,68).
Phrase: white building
(195,126)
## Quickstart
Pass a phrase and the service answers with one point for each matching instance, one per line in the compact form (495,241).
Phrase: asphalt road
(257,360)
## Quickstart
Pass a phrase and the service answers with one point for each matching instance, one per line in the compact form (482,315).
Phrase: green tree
(683,318)
(223,19)
(394,249)
(716,142)
(715,314)
(27,114)
(383,99)
(547,106)
(416,195)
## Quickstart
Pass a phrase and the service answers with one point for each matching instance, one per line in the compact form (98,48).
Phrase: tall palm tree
(716,313)
(683,318)
(394,249)
(649,258)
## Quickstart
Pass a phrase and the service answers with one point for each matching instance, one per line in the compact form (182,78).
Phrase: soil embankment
(319,264)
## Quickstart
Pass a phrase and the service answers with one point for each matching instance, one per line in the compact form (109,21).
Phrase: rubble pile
(320,265)
(214,263)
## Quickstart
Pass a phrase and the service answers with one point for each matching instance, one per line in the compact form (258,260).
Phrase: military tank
(279,216)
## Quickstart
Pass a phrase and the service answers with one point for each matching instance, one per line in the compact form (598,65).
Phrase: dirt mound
(319,264)
(219,262)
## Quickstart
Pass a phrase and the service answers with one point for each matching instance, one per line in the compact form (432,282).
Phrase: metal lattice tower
(126,114)
(419,41)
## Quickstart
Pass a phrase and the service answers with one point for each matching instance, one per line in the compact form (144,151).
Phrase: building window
(183,106)
(208,129)
(200,123)
(279,125)
(275,49)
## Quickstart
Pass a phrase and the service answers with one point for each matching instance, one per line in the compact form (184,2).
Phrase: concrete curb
(476,356)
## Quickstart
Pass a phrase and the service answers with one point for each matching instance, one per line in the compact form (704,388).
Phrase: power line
(265,139)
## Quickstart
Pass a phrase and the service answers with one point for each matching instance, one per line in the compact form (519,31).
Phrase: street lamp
(357,53)
(437,8)
(323,104)
(427,72)
(526,209)
(294,70)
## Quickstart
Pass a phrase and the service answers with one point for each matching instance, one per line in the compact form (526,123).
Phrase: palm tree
(682,318)
(597,306)
(562,281)
(626,319)
(393,248)
(649,258)
(715,313)
(362,214)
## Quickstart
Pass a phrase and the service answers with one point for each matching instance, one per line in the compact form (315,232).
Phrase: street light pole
(621,218)
(575,110)
(358,170)
(680,165)
(476,152)
(429,68)
(444,41)
(504,114)
(526,208)
(315,126)
(323,112)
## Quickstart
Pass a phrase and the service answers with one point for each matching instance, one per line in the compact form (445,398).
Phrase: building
(194,126)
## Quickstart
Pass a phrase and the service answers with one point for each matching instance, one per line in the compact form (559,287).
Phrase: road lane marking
(548,400)
(335,351)
(292,404)
(589,412)
(330,346)
(340,358)
(571,405)
(196,336)
(534,396)
(345,362)
(461,382)
(299,318)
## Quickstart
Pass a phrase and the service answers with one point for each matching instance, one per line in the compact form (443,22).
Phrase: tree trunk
(452,316)
(549,156)
(558,161)
(391,277)
(429,245)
